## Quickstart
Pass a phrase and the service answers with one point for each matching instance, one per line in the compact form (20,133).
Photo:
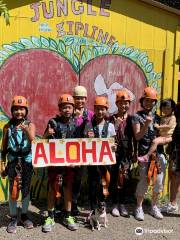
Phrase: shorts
(66,172)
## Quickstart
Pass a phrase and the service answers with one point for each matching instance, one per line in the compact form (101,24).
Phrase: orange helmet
(19,101)
(66,98)
(122,95)
(150,93)
(101,101)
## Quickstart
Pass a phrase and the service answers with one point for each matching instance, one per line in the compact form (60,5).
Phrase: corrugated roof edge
(162,6)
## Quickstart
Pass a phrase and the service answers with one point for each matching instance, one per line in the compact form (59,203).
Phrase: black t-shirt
(145,142)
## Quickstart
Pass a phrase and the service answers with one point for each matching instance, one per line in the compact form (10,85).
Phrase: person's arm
(4,148)
(139,131)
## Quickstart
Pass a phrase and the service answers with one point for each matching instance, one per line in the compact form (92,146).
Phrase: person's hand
(50,130)
(90,134)
(149,119)
(156,125)
(23,127)
(2,170)
(114,147)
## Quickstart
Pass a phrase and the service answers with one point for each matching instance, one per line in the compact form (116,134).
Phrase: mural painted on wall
(41,68)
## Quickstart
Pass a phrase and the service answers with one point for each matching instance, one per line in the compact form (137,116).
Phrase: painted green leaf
(142,55)
(152,75)
(70,53)
(158,75)
(128,51)
(149,67)
(9,47)
(4,53)
(44,41)
(115,47)
(122,48)
(144,61)
(26,42)
(77,49)
(36,41)
(154,85)
(69,41)
(17,45)
(53,44)
(62,47)
(95,52)
(76,63)
(134,54)
(89,55)
(83,58)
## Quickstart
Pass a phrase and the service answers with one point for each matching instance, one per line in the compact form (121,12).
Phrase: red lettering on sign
(105,150)
(92,151)
(68,152)
(40,153)
(53,157)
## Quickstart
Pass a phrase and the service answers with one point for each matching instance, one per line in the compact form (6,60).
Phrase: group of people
(140,137)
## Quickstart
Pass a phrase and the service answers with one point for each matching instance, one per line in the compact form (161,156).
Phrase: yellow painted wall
(133,24)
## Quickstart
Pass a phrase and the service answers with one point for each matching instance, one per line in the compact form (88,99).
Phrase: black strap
(20,145)
(96,129)
(63,130)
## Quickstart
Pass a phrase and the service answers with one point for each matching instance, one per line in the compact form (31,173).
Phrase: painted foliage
(57,55)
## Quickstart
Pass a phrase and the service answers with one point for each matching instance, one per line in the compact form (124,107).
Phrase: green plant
(4,12)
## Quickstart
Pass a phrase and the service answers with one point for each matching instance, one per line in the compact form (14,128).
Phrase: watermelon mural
(52,46)
(43,68)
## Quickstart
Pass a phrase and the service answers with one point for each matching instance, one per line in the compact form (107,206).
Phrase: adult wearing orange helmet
(120,171)
(144,132)
(18,134)
(62,126)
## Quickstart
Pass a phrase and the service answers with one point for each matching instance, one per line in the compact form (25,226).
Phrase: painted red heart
(42,75)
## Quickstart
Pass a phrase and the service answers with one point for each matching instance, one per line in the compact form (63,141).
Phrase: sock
(51,213)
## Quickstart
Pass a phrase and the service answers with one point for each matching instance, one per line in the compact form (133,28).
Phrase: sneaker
(12,226)
(49,222)
(139,214)
(115,211)
(26,221)
(155,212)
(169,208)
(123,211)
(69,222)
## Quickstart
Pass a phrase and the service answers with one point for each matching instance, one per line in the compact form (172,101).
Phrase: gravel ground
(118,228)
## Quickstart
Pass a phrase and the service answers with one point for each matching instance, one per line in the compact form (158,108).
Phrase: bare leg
(51,198)
(158,141)
(68,196)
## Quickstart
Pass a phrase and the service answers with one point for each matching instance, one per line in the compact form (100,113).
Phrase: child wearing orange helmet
(98,176)
(62,126)
(144,132)
(120,172)
(18,134)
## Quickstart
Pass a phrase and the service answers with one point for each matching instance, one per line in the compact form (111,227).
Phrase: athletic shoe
(12,226)
(69,222)
(115,211)
(49,223)
(123,211)
(169,208)
(139,214)
(155,212)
